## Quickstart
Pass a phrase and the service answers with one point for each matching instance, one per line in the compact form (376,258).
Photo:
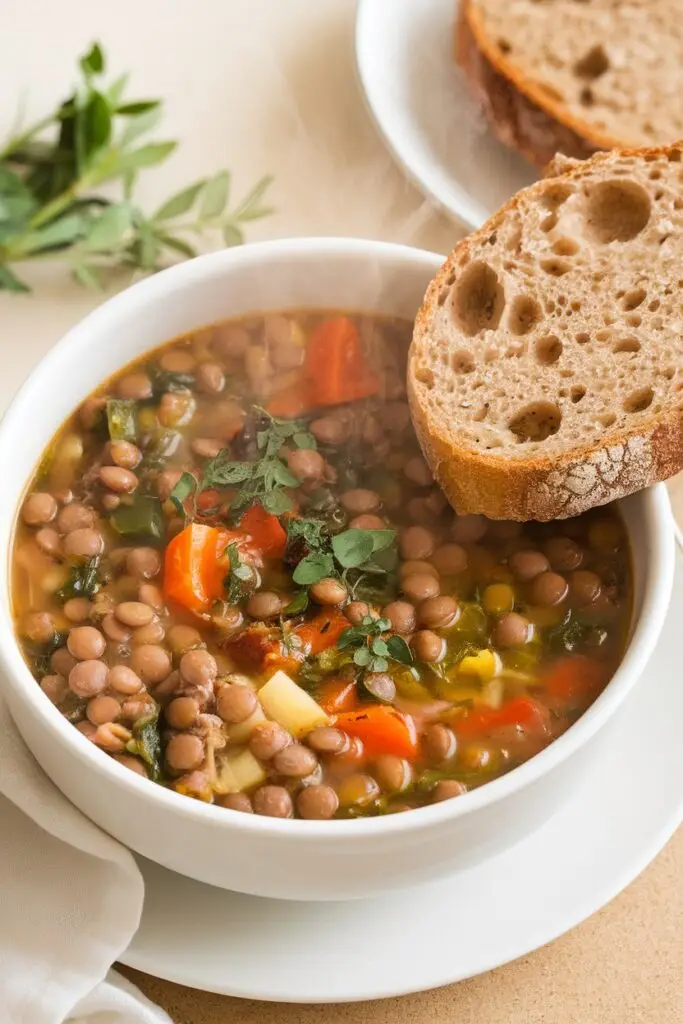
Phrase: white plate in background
(452,929)
(423,108)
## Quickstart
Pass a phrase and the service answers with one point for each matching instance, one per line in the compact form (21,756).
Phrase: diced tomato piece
(264,531)
(322,631)
(521,712)
(576,679)
(338,696)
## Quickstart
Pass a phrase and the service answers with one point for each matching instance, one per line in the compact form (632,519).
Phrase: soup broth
(235,575)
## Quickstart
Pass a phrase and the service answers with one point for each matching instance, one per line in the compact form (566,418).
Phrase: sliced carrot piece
(335,364)
(189,567)
(382,730)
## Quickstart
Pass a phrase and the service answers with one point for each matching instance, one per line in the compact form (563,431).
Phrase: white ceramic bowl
(307,860)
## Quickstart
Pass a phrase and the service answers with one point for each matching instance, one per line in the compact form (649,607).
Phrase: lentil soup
(234,574)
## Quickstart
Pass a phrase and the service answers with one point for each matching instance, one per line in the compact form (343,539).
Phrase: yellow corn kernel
(485,665)
(147,420)
(498,598)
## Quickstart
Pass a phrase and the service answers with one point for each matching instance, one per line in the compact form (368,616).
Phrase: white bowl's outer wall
(286,859)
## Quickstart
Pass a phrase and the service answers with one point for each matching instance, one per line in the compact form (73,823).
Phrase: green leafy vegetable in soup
(235,575)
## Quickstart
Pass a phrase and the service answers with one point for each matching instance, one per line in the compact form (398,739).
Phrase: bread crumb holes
(525,313)
(536,422)
(638,400)
(478,300)
(617,210)
(548,349)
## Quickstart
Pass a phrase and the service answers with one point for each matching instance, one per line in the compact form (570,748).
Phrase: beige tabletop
(265,86)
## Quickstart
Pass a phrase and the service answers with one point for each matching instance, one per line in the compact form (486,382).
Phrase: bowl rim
(17,676)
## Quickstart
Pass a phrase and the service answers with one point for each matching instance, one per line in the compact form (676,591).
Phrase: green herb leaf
(179,203)
(241,579)
(398,650)
(313,568)
(169,380)
(232,235)
(84,581)
(276,502)
(309,530)
(59,233)
(139,125)
(96,124)
(10,282)
(178,245)
(353,547)
(362,657)
(139,107)
(146,156)
(86,275)
(184,489)
(219,473)
(92,63)
(250,208)
(122,419)
(303,439)
(215,196)
(382,539)
(354,636)
(117,89)
(146,744)
(142,519)
(109,230)
(380,647)
(298,604)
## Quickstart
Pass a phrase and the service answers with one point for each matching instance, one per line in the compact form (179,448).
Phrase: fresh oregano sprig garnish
(351,549)
(51,173)
(371,651)
(260,481)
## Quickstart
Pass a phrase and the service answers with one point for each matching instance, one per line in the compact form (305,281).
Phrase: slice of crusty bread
(575,75)
(545,374)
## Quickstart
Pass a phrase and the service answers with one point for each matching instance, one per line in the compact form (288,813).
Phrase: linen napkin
(70,902)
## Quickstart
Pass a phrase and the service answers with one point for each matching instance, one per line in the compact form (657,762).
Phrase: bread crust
(539,487)
(521,114)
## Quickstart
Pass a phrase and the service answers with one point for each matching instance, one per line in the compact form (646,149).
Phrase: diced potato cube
(485,665)
(286,703)
(241,732)
(237,771)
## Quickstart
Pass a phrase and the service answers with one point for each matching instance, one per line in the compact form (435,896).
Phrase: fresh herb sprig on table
(51,173)
(261,481)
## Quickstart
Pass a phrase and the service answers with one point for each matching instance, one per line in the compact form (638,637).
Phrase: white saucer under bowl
(436,934)
(423,108)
